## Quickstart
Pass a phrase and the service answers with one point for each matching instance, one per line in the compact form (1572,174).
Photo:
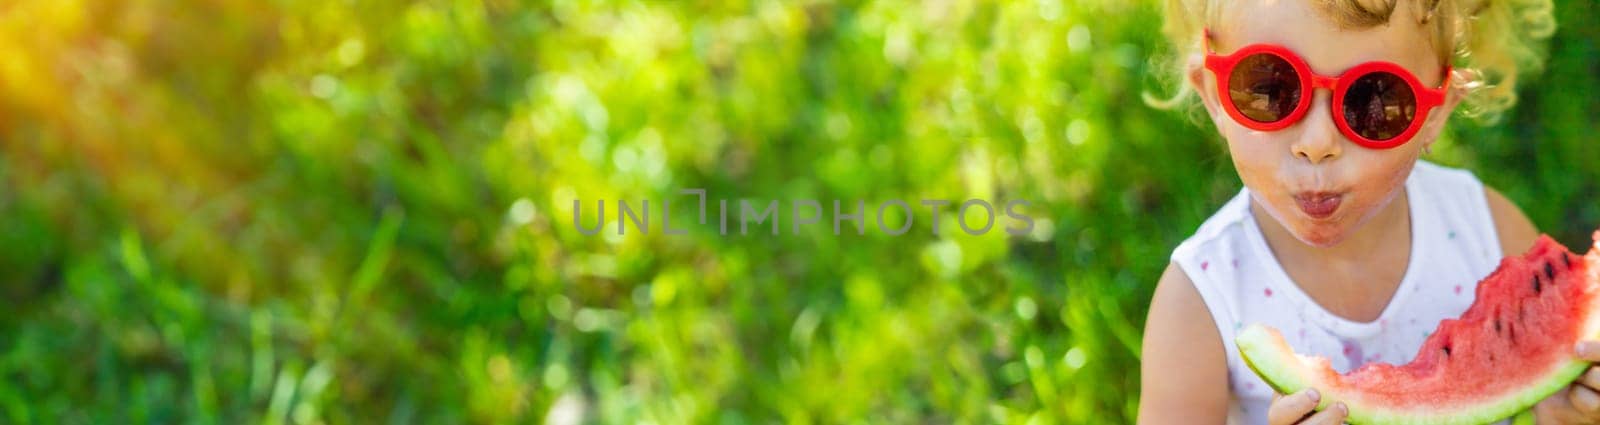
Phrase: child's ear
(1452,97)
(1195,75)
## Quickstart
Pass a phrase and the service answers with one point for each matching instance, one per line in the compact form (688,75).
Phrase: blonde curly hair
(1489,42)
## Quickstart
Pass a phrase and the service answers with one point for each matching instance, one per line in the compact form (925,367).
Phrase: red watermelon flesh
(1510,349)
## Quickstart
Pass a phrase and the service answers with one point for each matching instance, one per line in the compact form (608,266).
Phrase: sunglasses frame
(1222,67)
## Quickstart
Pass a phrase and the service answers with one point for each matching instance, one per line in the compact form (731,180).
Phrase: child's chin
(1321,235)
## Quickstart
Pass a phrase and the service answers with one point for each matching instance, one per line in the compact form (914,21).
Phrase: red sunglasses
(1267,87)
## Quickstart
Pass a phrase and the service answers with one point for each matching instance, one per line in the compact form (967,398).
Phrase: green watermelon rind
(1266,353)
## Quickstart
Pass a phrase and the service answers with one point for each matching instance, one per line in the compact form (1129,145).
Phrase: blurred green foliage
(359,211)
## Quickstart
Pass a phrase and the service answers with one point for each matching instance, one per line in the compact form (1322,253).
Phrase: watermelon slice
(1510,349)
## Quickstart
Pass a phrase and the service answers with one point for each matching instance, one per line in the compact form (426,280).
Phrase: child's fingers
(1591,378)
(1333,415)
(1290,408)
(1584,400)
(1588,350)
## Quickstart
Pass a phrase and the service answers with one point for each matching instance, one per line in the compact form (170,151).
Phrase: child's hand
(1578,403)
(1296,408)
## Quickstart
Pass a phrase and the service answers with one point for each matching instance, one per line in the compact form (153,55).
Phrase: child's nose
(1319,136)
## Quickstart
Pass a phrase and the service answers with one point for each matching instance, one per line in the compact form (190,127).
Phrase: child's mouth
(1318,205)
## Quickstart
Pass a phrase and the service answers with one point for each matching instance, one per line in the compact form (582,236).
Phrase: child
(1342,237)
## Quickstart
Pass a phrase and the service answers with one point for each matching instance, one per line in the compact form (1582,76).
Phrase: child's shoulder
(1225,232)
(1460,192)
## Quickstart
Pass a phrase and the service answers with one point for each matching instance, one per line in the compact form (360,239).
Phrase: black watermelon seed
(1497,325)
(1564,260)
(1550,272)
(1447,350)
(1536,288)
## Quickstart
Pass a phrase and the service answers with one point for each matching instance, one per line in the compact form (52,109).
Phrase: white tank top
(1453,246)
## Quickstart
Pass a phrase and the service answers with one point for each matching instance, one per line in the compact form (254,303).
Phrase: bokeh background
(360,211)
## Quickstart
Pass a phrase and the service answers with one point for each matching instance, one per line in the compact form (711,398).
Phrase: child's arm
(1184,375)
(1184,371)
(1516,231)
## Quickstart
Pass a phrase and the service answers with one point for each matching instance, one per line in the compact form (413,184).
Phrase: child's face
(1309,177)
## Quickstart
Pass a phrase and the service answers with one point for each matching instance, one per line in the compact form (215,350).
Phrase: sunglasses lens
(1379,106)
(1264,87)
